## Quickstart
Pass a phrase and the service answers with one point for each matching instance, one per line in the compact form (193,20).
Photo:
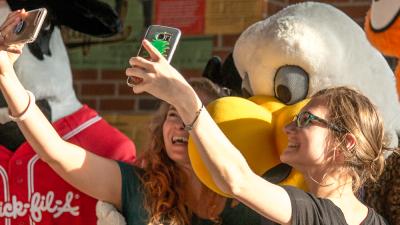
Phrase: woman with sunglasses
(337,142)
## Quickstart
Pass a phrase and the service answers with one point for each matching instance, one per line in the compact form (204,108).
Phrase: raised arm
(226,164)
(93,175)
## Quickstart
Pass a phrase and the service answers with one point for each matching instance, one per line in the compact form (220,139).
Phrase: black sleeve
(308,209)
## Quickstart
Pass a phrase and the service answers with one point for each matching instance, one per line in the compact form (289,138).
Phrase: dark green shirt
(135,214)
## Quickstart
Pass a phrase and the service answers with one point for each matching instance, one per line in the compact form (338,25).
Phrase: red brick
(215,41)
(149,104)
(278,2)
(273,8)
(98,89)
(229,40)
(117,104)
(191,72)
(85,74)
(92,103)
(331,2)
(356,12)
(124,89)
(221,53)
(113,75)
(76,87)
(144,94)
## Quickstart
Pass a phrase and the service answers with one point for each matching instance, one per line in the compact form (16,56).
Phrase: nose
(290,127)
(181,126)
(178,124)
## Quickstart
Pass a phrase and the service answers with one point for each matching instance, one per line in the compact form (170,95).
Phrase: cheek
(165,133)
(317,145)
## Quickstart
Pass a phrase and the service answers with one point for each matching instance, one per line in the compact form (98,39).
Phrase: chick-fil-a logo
(38,205)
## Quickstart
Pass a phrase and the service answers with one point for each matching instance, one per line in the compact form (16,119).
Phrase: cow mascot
(31,192)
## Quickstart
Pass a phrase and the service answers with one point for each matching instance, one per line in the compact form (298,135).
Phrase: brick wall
(106,91)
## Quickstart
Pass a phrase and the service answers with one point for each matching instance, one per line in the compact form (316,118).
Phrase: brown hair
(163,181)
(355,114)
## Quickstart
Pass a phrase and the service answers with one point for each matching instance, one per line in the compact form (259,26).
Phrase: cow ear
(212,70)
(93,17)
(230,77)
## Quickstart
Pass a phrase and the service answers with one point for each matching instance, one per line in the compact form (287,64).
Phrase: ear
(351,141)
(212,70)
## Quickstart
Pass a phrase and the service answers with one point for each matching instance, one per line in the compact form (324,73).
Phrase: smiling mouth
(179,140)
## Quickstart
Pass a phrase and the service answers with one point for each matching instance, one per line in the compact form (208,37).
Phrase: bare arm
(84,170)
(226,164)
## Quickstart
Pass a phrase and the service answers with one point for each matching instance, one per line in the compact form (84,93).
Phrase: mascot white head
(311,46)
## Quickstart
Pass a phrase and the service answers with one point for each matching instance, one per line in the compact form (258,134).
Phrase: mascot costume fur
(382,26)
(31,192)
(282,61)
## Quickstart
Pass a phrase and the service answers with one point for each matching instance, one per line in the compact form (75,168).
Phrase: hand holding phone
(164,39)
(27,29)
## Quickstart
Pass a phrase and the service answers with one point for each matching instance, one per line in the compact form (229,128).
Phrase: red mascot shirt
(32,193)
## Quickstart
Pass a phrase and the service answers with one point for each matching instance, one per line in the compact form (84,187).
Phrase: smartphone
(164,39)
(28,29)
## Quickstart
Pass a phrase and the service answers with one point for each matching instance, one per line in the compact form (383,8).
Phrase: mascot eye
(291,84)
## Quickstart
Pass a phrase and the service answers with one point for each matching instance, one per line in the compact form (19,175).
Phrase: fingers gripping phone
(27,30)
(164,39)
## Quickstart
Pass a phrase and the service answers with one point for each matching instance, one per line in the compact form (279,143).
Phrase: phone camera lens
(164,36)
(20,27)
(160,37)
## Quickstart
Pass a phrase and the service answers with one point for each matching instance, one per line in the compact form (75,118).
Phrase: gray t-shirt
(307,209)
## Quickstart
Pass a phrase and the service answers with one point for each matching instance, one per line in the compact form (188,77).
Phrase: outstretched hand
(157,76)
(9,53)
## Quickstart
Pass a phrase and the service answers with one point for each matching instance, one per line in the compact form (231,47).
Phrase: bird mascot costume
(31,192)
(382,26)
(282,61)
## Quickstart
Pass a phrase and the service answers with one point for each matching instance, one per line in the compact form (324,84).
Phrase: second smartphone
(27,30)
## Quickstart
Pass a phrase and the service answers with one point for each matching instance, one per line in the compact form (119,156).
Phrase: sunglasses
(304,119)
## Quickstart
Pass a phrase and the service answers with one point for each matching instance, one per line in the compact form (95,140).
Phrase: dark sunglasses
(304,119)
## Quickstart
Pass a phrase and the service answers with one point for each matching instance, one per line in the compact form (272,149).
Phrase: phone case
(163,38)
(27,30)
